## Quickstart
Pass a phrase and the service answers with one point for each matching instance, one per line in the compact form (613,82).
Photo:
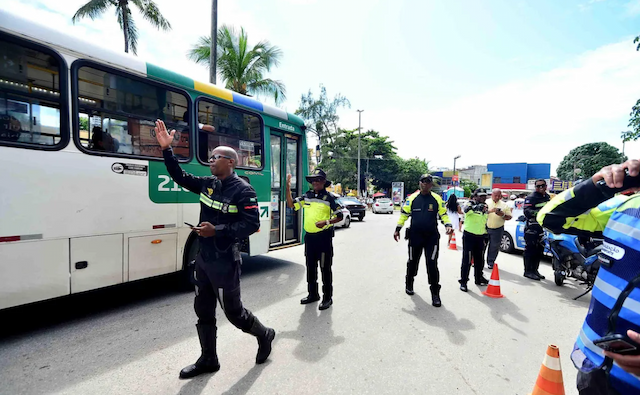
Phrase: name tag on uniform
(431,207)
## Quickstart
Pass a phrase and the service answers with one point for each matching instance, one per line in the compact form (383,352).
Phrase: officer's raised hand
(396,235)
(205,229)
(164,138)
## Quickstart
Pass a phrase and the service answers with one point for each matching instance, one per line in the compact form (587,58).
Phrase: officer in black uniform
(228,213)
(533,232)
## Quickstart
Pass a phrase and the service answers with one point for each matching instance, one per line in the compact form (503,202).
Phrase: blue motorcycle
(570,258)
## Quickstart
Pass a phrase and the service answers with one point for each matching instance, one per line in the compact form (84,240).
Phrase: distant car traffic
(383,205)
(354,206)
(513,236)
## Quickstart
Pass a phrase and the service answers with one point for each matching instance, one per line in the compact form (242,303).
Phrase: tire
(558,278)
(347,222)
(506,244)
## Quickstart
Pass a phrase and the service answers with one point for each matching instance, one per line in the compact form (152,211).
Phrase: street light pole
(359,130)
(213,56)
(454,170)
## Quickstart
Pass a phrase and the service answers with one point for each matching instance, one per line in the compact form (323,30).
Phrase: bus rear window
(221,125)
(117,114)
(30,99)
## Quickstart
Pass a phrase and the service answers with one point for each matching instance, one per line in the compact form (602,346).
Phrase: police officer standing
(533,232)
(321,211)
(473,239)
(228,213)
(424,207)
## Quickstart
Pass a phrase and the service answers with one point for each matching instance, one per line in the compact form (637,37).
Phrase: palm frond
(132,31)
(92,9)
(151,13)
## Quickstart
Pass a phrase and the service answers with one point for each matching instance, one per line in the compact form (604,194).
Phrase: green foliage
(243,68)
(149,10)
(320,115)
(589,158)
(634,124)
(410,172)
(468,186)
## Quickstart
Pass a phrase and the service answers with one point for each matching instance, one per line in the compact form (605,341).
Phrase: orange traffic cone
(550,377)
(452,245)
(493,290)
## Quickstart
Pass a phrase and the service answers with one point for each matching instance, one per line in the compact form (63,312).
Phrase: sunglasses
(218,156)
(541,186)
(322,180)
(426,180)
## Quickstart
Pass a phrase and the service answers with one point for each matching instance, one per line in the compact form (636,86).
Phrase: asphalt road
(374,340)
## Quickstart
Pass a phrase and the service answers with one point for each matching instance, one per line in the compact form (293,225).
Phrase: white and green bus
(85,199)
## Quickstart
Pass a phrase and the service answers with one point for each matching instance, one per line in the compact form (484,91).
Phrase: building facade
(516,175)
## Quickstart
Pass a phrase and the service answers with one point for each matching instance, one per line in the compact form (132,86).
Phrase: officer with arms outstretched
(590,209)
(228,213)
(424,207)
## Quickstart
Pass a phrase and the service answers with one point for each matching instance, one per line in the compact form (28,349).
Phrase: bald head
(228,151)
(223,161)
(496,194)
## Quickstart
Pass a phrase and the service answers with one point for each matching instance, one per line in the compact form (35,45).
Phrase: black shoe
(325,304)
(408,288)
(482,281)
(490,266)
(203,365)
(264,345)
(463,287)
(540,275)
(435,300)
(532,276)
(310,299)
(409,291)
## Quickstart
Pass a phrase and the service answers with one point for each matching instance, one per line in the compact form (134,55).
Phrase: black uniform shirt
(230,205)
(424,214)
(532,204)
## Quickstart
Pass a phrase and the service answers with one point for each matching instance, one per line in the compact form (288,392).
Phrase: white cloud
(535,120)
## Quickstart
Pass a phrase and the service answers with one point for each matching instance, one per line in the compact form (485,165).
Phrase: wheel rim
(505,243)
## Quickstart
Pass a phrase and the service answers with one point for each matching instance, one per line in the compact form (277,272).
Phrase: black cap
(318,174)
(426,178)
(480,192)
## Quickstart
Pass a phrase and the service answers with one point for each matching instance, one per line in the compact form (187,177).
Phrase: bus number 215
(162,187)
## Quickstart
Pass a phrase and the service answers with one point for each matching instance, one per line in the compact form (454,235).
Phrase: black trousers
(594,383)
(472,247)
(533,251)
(219,281)
(429,243)
(319,250)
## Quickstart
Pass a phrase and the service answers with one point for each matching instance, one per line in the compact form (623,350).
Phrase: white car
(384,205)
(513,237)
(346,219)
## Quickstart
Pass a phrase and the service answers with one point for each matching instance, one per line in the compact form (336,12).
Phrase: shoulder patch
(210,191)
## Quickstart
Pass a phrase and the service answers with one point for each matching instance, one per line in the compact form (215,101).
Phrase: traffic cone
(452,245)
(550,377)
(493,290)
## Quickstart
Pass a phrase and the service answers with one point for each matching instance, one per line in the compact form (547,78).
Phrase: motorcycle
(570,258)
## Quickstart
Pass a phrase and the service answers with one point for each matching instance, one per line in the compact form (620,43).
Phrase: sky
(494,81)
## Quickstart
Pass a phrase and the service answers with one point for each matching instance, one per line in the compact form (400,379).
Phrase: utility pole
(213,56)
(359,130)
(454,170)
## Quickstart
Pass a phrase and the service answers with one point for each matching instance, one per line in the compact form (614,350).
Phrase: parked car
(513,236)
(354,206)
(346,219)
(382,205)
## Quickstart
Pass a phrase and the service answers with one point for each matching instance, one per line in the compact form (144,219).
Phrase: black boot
(408,285)
(265,336)
(326,303)
(529,271)
(463,286)
(435,296)
(208,361)
(313,296)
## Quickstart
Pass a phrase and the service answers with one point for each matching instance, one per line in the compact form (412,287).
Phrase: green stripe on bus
(166,75)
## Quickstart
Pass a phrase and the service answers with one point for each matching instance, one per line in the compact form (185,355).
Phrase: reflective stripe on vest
(230,208)
(615,304)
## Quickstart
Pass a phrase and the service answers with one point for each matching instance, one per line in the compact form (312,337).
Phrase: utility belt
(231,252)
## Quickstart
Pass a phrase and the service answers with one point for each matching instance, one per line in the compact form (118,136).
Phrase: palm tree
(148,9)
(242,68)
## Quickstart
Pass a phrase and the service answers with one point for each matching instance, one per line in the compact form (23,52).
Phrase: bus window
(117,114)
(220,125)
(30,99)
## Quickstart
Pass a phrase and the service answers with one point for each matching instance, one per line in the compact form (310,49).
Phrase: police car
(513,236)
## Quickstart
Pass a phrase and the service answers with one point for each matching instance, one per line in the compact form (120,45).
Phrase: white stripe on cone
(495,283)
(551,362)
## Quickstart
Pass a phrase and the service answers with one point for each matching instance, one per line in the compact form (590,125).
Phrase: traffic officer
(533,232)
(590,209)
(228,214)
(424,207)
(321,211)
(473,239)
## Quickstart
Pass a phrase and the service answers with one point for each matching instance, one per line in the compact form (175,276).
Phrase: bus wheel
(188,264)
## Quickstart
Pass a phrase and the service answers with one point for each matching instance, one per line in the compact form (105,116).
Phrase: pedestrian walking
(424,207)
(533,232)
(612,321)
(228,214)
(454,212)
(473,239)
(498,213)
(321,211)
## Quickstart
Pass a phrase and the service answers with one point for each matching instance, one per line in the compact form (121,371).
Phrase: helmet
(512,197)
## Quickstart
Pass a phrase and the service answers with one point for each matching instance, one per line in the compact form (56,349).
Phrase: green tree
(589,158)
(468,186)
(410,172)
(149,10)
(242,67)
(321,115)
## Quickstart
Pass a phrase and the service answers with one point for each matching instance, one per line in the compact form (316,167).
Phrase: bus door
(285,159)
